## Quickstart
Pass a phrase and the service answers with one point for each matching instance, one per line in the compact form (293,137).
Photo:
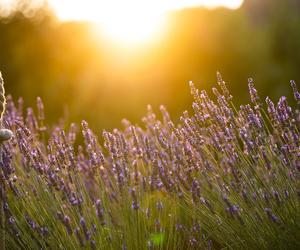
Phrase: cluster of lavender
(220,178)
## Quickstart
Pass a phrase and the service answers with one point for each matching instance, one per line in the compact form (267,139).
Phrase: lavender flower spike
(253,92)
(295,91)
(223,87)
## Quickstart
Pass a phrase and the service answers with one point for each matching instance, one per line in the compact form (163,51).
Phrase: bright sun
(132,22)
(129,21)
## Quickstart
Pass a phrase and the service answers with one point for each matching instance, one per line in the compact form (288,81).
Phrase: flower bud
(5,135)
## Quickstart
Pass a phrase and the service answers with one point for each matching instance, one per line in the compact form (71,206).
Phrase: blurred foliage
(80,76)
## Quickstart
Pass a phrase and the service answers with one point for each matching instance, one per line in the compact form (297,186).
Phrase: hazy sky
(83,9)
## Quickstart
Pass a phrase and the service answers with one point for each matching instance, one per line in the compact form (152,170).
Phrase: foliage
(220,179)
(41,56)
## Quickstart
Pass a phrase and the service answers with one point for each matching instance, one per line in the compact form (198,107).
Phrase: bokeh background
(79,75)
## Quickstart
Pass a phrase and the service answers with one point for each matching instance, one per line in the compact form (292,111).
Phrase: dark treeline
(80,76)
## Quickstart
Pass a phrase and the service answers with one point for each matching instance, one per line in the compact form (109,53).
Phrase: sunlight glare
(133,22)
(129,21)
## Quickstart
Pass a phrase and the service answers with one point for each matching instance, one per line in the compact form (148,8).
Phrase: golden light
(132,22)
(129,21)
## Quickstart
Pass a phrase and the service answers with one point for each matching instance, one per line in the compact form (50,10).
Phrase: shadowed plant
(222,178)
(5,134)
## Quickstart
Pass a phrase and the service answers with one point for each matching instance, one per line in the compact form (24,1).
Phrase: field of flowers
(222,178)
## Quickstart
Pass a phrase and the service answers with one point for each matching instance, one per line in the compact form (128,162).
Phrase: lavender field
(223,177)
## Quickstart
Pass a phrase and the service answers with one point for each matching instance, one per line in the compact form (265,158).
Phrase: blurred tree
(72,70)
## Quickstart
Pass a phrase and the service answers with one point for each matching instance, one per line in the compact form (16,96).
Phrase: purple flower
(253,92)
(295,91)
